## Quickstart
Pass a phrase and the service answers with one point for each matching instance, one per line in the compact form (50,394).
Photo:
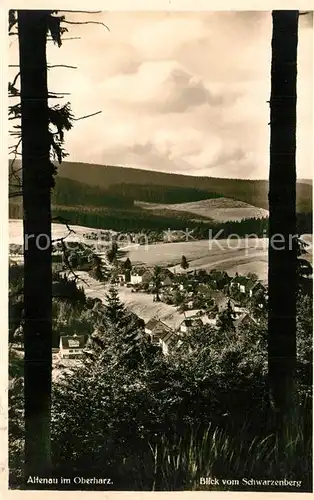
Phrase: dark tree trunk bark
(36,167)
(282,212)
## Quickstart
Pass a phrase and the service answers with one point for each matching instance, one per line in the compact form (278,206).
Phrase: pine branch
(12,19)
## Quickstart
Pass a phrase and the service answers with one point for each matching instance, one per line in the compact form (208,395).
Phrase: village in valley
(203,298)
(180,300)
(171,300)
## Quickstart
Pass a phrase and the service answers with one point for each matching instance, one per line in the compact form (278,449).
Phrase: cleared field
(169,254)
(258,267)
(58,231)
(218,209)
(243,264)
(231,255)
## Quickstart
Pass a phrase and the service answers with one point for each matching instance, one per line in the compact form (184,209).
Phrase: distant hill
(253,192)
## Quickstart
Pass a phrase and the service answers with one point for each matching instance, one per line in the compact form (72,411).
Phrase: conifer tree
(226,319)
(156,279)
(112,252)
(184,263)
(114,311)
(127,266)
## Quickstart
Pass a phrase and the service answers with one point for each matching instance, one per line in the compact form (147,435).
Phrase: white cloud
(181,92)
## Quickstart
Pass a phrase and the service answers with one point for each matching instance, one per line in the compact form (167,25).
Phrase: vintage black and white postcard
(159,177)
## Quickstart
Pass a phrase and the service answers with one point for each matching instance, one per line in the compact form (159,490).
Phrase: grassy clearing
(219,209)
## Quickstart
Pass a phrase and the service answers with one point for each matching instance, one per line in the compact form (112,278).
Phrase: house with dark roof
(71,346)
(244,321)
(246,285)
(218,279)
(159,332)
(212,317)
(188,324)
(255,287)
(241,283)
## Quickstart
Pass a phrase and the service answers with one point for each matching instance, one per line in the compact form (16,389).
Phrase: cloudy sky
(179,92)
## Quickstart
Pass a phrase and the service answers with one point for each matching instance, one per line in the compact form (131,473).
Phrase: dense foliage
(159,422)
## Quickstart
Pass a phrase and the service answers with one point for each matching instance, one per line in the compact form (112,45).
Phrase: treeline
(142,221)
(122,220)
(161,194)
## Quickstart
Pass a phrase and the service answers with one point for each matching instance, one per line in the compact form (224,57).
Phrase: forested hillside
(254,192)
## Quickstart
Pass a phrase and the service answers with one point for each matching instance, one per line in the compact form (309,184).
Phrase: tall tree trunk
(282,212)
(36,167)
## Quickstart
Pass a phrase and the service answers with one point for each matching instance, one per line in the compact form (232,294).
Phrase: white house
(141,276)
(238,309)
(136,279)
(212,321)
(71,346)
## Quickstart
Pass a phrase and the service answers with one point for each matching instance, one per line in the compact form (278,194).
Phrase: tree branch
(15,79)
(61,220)
(87,116)
(15,146)
(86,22)
(49,66)
(15,195)
(61,66)
(83,11)
(66,39)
